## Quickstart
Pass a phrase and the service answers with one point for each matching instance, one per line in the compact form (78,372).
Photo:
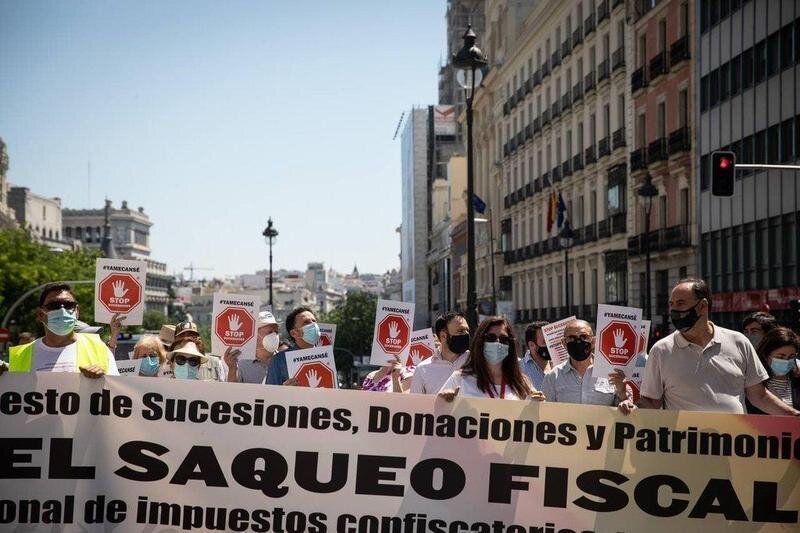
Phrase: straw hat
(188,350)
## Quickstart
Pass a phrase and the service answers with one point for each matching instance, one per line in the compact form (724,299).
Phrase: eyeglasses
(69,305)
(182,360)
(584,338)
(502,339)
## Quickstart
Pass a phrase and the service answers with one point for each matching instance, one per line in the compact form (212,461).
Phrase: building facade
(39,216)
(7,217)
(749,103)
(662,143)
(130,229)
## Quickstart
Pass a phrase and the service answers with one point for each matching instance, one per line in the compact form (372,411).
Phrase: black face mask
(458,343)
(543,352)
(579,349)
(684,320)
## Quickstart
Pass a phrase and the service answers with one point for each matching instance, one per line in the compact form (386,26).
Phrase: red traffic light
(724,163)
(723,167)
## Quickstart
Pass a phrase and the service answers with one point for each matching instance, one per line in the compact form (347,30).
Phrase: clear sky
(214,115)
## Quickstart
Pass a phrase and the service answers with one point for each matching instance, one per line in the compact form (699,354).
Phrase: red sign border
(128,275)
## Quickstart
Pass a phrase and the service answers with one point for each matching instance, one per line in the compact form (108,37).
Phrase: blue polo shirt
(532,369)
(278,372)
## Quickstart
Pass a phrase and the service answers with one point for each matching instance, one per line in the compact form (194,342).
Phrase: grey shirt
(565,384)
(251,371)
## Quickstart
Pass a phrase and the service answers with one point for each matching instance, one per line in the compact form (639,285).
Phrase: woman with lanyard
(492,370)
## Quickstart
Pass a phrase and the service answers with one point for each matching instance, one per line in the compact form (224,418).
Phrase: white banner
(616,339)
(553,333)
(119,287)
(234,324)
(392,333)
(313,367)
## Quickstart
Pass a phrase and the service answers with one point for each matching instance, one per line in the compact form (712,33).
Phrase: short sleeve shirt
(64,358)
(711,378)
(431,374)
(469,387)
(565,384)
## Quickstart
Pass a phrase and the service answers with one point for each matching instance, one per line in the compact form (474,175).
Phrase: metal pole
(647,308)
(772,167)
(472,317)
(272,308)
(567,299)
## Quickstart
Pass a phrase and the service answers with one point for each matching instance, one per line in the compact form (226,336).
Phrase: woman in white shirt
(492,370)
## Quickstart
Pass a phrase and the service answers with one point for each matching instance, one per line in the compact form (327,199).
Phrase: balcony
(528,86)
(506,108)
(520,138)
(618,59)
(512,146)
(537,185)
(577,92)
(603,12)
(577,37)
(555,59)
(555,109)
(657,151)
(566,48)
(589,25)
(528,132)
(590,154)
(680,140)
(679,51)
(528,190)
(566,101)
(545,70)
(537,125)
(537,78)
(618,138)
(507,201)
(618,224)
(604,147)
(639,79)
(556,173)
(660,240)
(604,229)
(639,159)
(546,246)
(603,71)
(506,150)
(658,65)
(537,249)
(545,180)
(589,233)
(589,81)
(577,162)
(545,117)
(618,172)
(566,168)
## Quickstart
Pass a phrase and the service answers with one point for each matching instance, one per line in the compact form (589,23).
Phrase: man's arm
(768,402)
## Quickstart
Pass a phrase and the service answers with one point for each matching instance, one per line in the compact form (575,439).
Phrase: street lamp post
(469,60)
(567,239)
(270,233)
(646,193)
(491,251)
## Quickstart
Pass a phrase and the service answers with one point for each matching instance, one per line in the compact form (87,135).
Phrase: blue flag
(562,210)
(478,204)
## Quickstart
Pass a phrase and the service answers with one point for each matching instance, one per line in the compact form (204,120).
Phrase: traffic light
(723,172)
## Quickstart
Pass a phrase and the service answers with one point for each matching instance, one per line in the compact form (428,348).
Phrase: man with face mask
(572,381)
(452,331)
(536,362)
(756,325)
(301,324)
(704,367)
(62,349)
(255,370)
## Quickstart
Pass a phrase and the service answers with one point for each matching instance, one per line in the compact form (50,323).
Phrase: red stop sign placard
(316,375)
(119,293)
(418,353)
(324,339)
(235,326)
(619,342)
(393,334)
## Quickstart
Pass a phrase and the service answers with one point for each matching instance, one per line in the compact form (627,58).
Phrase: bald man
(572,381)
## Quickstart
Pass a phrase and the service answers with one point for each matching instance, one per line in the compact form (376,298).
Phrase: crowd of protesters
(699,367)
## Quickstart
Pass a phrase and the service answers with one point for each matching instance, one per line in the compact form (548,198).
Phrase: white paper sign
(327,334)
(617,339)
(392,336)
(313,367)
(234,324)
(119,287)
(634,379)
(553,333)
(129,368)
(422,346)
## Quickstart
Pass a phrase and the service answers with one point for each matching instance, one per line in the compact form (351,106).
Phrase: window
(773,143)
(736,75)
(787,140)
(579,213)
(747,149)
(662,35)
(747,68)
(662,210)
(606,120)
(592,130)
(642,291)
(683,108)
(616,278)
(593,207)
(760,61)
(704,172)
(724,81)
(580,137)
(773,53)
(606,46)
(760,155)
(704,92)
(787,46)
(662,120)
(713,98)
(684,19)
(621,111)
(797,40)
(642,49)
(641,134)
(594,287)
(616,198)
(684,195)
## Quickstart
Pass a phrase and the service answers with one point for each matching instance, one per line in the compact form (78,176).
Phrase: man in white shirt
(452,331)
(62,349)
(702,366)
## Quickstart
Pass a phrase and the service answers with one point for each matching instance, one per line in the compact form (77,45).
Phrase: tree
(25,264)
(354,327)
(153,320)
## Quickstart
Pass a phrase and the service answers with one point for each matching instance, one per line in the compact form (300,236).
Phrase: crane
(191,268)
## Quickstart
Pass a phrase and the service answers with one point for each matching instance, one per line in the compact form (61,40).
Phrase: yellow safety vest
(91,350)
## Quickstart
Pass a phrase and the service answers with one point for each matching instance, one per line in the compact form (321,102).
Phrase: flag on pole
(551,211)
(562,210)
(478,204)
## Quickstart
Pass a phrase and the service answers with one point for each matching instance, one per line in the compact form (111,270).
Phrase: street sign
(119,289)
(313,367)
(233,324)
(392,337)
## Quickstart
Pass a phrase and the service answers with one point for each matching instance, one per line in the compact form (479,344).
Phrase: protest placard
(634,379)
(313,367)
(233,324)
(119,286)
(553,333)
(392,337)
(422,346)
(617,339)
(327,334)
(129,368)
(166,455)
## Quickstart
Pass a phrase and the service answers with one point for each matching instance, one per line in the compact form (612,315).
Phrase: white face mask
(270,342)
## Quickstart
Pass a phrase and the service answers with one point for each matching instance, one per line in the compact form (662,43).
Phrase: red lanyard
(502,389)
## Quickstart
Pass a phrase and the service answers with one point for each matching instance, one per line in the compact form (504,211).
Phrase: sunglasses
(69,305)
(584,338)
(502,339)
(182,360)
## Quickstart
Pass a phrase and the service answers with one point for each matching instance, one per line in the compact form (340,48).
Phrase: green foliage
(25,264)
(153,320)
(354,327)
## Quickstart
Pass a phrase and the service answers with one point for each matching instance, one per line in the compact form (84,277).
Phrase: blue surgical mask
(311,333)
(149,366)
(781,367)
(61,322)
(186,371)
(495,352)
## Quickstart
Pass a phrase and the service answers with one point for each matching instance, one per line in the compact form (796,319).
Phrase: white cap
(266,318)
